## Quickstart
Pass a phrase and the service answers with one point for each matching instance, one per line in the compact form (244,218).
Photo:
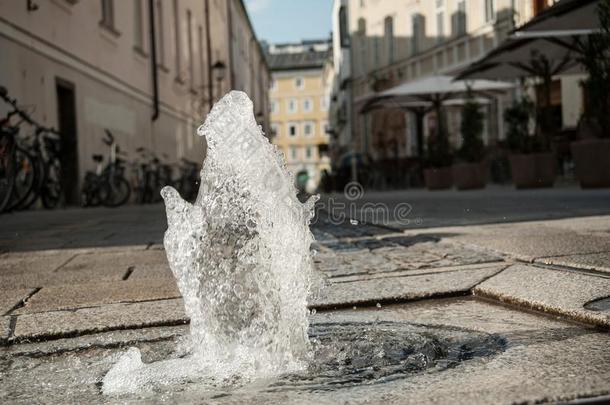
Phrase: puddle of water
(602,305)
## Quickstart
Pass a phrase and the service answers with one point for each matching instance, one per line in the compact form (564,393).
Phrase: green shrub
(517,119)
(471,128)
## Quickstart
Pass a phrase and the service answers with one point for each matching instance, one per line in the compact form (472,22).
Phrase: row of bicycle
(30,165)
(112,184)
(30,169)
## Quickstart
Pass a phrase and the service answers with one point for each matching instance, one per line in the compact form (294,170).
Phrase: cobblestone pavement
(68,286)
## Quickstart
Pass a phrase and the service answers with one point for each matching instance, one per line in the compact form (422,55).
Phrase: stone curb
(552,291)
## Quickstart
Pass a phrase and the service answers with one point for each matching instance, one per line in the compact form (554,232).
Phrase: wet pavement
(495,313)
(458,350)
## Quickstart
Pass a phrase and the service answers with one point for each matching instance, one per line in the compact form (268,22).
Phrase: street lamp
(219,69)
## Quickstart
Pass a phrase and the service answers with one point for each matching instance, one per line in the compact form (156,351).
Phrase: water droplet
(353,221)
(378,305)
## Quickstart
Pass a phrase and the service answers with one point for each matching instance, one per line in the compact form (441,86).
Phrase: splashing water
(240,255)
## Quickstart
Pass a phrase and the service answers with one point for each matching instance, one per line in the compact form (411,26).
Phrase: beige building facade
(300,97)
(383,43)
(87,66)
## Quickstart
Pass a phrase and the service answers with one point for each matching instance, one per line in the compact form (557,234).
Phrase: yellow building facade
(299,100)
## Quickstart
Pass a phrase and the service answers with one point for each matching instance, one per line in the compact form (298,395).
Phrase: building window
(299,83)
(460,18)
(388,25)
(200,47)
(294,153)
(376,55)
(108,14)
(160,34)
(540,5)
(308,152)
(138,26)
(292,105)
(324,103)
(273,85)
(189,39)
(324,128)
(177,42)
(490,10)
(275,107)
(308,129)
(416,28)
(363,45)
(275,129)
(293,129)
(440,20)
(307,105)
(343,28)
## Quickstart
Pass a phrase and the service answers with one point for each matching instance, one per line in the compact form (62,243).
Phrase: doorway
(66,119)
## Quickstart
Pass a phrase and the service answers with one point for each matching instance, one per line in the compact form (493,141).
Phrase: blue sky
(290,20)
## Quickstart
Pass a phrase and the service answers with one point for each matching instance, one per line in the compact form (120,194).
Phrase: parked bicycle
(18,174)
(44,147)
(151,174)
(107,185)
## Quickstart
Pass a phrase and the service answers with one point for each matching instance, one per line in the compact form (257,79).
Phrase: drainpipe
(153,60)
(208,45)
(230,33)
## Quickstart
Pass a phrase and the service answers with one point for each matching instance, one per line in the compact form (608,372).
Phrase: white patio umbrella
(544,46)
(431,93)
(523,57)
(566,18)
(435,89)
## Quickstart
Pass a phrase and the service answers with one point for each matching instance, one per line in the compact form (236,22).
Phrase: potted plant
(470,172)
(532,165)
(592,152)
(437,172)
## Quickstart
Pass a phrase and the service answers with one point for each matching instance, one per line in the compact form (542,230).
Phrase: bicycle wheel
(90,193)
(32,196)
(7,172)
(52,192)
(116,192)
(25,178)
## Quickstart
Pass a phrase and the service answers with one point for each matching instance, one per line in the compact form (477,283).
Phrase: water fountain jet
(240,256)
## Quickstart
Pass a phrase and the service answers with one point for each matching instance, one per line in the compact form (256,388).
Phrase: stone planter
(592,162)
(535,170)
(469,176)
(438,178)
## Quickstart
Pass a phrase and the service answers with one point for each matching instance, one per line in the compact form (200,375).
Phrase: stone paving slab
(94,294)
(391,289)
(529,246)
(591,261)
(111,339)
(47,325)
(528,241)
(358,257)
(558,292)
(109,261)
(39,280)
(39,262)
(11,298)
(409,273)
